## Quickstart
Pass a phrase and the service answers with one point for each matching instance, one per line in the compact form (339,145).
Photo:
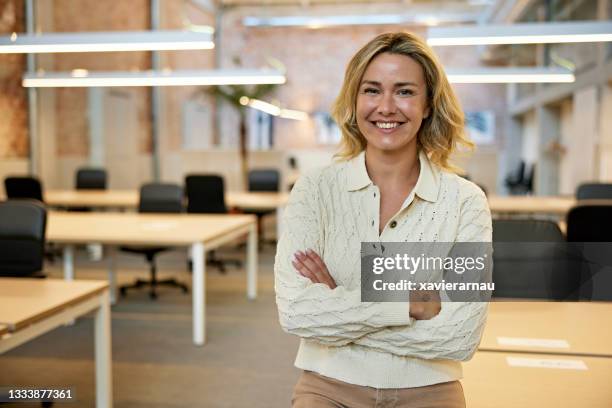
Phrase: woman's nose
(387,105)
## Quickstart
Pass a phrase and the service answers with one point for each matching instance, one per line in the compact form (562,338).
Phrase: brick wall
(13,98)
(71,103)
(315,61)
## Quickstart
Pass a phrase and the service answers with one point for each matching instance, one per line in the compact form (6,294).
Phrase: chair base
(153,286)
(218,263)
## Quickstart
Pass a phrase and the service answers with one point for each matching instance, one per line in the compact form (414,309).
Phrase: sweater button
(393,224)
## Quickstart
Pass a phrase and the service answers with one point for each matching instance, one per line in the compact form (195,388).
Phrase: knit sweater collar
(426,188)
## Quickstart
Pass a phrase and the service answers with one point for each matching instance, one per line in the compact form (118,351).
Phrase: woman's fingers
(317,265)
(303,270)
(311,266)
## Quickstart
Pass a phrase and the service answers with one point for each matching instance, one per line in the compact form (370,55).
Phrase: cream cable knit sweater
(332,211)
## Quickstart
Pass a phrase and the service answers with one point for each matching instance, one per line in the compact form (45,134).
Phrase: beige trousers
(316,391)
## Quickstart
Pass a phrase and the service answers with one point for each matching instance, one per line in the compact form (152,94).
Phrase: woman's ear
(426,113)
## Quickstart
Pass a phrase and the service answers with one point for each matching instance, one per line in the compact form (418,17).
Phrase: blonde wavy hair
(441,133)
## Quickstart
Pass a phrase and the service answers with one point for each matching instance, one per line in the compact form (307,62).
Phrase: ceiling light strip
(509,76)
(524,33)
(106,41)
(359,19)
(272,109)
(80,78)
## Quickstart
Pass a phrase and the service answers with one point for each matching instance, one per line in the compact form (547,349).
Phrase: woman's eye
(405,92)
(370,91)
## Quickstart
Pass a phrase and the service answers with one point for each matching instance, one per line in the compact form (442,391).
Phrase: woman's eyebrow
(396,85)
(366,82)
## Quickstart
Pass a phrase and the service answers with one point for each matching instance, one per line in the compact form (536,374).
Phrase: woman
(400,123)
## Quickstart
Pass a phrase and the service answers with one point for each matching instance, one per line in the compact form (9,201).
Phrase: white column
(112,274)
(102,333)
(252,262)
(68,262)
(199,293)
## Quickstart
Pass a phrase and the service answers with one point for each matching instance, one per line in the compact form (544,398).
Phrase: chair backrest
(590,223)
(590,227)
(161,198)
(22,237)
(530,261)
(205,194)
(529,177)
(264,180)
(589,191)
(23,187)
(90,179)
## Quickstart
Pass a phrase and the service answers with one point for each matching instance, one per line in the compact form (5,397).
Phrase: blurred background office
(560,132)
(190,134)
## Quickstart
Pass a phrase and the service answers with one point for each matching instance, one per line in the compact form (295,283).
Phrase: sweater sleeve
(455,333)
(314,311)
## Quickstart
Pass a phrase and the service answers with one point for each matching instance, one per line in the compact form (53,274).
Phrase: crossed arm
(312,306)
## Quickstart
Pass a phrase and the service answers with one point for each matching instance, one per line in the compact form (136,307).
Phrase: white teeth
(387,125)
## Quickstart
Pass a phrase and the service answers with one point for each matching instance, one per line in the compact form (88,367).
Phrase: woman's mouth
(387,126)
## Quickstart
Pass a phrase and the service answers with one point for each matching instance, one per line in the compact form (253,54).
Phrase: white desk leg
(198,277)
(279,222)
(68,262)
(112,275)
(252,262)
(102,333)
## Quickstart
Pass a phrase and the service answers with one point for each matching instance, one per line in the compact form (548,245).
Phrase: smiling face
(392,103)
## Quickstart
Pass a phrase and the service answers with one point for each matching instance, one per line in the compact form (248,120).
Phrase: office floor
(247,361)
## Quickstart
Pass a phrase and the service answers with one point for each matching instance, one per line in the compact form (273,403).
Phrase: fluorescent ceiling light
(509,75)
(293,114)
(360,19)
(272,109)
(83,78)
(525,33)
(107,41)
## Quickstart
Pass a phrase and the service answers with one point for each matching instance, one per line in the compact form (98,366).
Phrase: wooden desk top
(3,329)
(92,198)
(256,200)
(490,381)
(549,327)
(129,199)
(531,204)
(25,301)
(142,229)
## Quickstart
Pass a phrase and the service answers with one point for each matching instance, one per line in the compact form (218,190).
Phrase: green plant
(232,95)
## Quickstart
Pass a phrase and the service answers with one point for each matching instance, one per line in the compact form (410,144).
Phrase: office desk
(531,204)
(32,307)
(491,382)
(127,199)
(199,232)
(576,328)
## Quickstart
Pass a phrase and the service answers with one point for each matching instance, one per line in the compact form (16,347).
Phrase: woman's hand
(424,304)
(311,266)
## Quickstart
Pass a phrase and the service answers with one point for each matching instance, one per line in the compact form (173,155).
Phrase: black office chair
(206,195)
(263,180)
(90,179)
(530,260)
(590,228)
(521,181)
(156,198)
(22,238)
(23,187)
(589,191)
